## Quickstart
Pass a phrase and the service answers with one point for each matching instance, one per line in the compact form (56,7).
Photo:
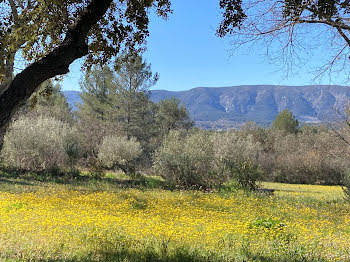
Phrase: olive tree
(237,158)
(51,34)
(38,144)
(186,160)
(120,152)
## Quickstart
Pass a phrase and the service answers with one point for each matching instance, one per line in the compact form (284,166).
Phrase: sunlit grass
(320,192)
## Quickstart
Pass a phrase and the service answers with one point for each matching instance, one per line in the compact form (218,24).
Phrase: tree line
(118,127)
(50,35)
(116,110)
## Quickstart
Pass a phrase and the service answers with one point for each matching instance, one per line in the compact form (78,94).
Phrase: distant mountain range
(230,107)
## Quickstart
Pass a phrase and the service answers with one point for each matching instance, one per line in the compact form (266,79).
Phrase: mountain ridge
(231,106)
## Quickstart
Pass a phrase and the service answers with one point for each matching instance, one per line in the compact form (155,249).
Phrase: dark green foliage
(266,223)
(285,121)
(117,103)
(135,111)
(96,114)
(319,10)
(246,175)
(63,32)
(49,101)
(233,16)
(98,88)
(172,116)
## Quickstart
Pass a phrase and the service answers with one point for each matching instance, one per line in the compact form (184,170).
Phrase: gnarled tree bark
(54,63)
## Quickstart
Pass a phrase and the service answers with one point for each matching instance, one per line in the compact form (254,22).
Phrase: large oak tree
(51,34)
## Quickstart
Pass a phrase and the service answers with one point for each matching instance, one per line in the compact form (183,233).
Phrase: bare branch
(327,22)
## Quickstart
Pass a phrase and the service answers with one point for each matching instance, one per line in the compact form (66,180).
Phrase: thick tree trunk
(8,65)
(54,63)
(2,134)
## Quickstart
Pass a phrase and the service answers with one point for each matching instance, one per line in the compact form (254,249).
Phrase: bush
(91,133)
(237,158)
(206,160)
(73,148)
(186,161)
(310,158)
(169,160)
(38,144)
(246,175)
(119,152)
(346,185)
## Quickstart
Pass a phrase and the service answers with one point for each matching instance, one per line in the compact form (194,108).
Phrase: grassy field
(79,219)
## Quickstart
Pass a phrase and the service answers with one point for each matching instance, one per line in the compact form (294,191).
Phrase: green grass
(322,193)
(17,182)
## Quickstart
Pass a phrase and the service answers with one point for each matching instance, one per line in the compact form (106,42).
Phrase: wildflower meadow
(60,223)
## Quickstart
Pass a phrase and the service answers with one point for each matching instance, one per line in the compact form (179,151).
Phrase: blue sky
(186,53)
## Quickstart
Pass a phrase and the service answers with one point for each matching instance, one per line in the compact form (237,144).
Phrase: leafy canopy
(36,27)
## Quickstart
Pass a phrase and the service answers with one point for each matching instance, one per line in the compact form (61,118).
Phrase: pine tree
(171,116)
(285,121)
(96,114)
(135,110)
(117,103)
(98,90)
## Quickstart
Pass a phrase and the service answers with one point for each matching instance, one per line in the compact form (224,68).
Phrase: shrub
(119,152)
(169,161)
(206,160)
(346,185)
(246,175)
(312,158)
(186,161)
(237,158)
(91,133)
(73,148)
(38,144)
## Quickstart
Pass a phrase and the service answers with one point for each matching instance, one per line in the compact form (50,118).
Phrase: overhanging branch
(54,63)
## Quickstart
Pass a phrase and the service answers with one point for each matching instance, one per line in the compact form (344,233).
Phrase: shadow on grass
(13,180)
(180,255)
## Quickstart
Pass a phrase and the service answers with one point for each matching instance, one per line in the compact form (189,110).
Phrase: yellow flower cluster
(65,223)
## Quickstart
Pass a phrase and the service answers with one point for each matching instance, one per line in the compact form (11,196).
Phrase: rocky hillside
(227,107)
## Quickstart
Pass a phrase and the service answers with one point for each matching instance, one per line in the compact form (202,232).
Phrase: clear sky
(186,53)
